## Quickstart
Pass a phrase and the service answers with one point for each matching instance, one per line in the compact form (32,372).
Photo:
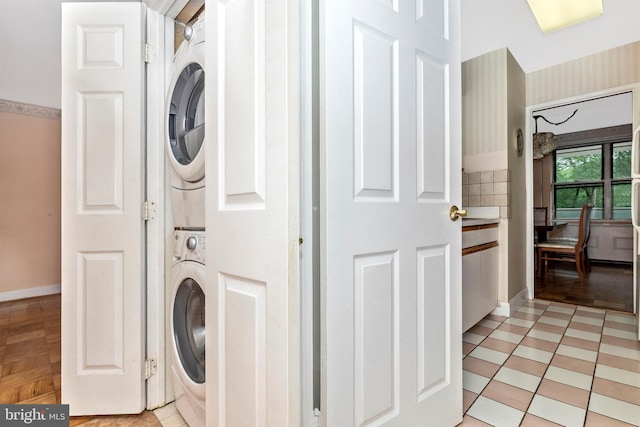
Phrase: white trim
(502,309)
(518,301)
(30,292)
(159,31)
(309,416)
(508,308)
(169,8)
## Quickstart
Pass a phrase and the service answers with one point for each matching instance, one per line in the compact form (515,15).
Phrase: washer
(187,314)
(185,129)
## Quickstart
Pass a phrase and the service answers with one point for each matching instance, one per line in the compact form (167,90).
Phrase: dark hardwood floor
(608,286)
(30,360)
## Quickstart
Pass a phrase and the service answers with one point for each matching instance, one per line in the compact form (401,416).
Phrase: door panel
(375,114)
(253,344)
(390,170)
(376,334)
(242,108)
(102,193)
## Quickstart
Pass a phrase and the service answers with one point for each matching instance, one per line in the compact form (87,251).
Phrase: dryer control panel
(189,246)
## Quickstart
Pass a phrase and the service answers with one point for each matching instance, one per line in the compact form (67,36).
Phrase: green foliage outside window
(579,164)
(580,179)
(622,161)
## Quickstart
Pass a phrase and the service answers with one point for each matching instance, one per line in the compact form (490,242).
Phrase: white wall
(492,24)
(30,51)
(30,34)
(30,40)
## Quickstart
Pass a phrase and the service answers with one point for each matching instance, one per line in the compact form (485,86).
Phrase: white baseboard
(508,308)
(518,301)
(30,292)
(502,309)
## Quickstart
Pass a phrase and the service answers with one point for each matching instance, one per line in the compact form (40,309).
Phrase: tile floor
(552,364)
(169,416)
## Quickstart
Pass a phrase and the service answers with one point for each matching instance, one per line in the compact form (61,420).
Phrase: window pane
(569,201)
(622,160)
(621,200)
(579,164)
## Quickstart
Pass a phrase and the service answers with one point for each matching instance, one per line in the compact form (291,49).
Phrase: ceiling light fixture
(545,142)
(556,14)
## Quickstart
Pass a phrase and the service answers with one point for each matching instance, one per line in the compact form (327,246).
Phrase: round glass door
(186,114)
(189,328)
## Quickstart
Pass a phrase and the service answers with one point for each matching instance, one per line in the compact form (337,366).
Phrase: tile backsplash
(487,188)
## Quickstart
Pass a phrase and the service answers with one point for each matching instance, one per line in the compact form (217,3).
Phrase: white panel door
(252,318)
(102,194)
(390,171)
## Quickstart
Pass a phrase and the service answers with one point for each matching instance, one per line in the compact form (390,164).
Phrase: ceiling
(488,25)
(30,65)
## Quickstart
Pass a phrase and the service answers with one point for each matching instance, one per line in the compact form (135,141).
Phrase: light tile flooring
(552,364)
(169,416)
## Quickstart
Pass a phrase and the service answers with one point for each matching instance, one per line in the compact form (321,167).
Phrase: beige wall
(484,112)
(594,73)
(30,195)
(517,226)
(493,110)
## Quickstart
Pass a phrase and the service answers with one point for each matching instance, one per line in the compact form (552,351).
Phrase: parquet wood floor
(608,286)
(30,360)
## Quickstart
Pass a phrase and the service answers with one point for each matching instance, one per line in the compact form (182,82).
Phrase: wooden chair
(540,216)
(566,249)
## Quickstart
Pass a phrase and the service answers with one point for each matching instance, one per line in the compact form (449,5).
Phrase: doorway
(588,162)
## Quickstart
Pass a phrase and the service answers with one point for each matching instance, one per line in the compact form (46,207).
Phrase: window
(597,173)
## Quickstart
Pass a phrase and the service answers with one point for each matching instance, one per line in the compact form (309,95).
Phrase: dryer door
(189,328)
(185,123)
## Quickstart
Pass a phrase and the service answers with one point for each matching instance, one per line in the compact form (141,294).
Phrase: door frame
(159,34)
(529,126)
(309,245)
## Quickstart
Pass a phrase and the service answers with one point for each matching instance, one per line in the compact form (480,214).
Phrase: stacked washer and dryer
(185,150)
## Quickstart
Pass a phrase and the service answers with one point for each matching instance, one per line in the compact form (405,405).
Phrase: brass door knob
(455,213)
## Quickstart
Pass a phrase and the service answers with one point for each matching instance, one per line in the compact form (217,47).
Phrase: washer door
(185,123)
(189,328)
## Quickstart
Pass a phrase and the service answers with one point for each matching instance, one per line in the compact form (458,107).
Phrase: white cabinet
(479,271)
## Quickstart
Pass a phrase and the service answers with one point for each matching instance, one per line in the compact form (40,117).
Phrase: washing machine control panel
(189,245)
(192,242)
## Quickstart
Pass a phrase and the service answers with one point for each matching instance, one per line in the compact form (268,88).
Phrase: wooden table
(543,229)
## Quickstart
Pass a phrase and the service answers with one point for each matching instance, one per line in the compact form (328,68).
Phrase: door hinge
(148,210)
(149,54)
(150,366)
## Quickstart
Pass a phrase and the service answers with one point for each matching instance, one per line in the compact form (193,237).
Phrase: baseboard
(30,292)
(502,309)
(506,309)
(518,301)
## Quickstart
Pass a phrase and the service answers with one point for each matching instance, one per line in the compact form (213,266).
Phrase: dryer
(185,129)
(187,320)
